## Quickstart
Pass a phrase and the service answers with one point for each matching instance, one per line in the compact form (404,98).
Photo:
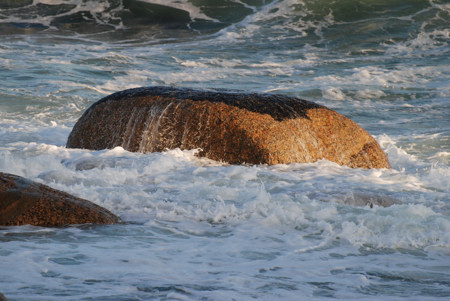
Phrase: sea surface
(197,229)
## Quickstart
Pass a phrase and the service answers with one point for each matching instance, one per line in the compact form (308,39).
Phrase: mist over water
(198,229)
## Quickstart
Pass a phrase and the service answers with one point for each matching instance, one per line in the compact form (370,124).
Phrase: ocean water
(198,229)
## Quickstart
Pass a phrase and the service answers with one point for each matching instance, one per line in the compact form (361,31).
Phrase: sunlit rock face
(227,126)
(24,202)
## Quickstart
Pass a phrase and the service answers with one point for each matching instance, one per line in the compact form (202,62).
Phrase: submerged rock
(230,127)
(362,199)
(26,202)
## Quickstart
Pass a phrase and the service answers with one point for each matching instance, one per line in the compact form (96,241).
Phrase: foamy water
(198,229)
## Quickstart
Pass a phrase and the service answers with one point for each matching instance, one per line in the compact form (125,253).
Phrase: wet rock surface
(26,202)
(227,126)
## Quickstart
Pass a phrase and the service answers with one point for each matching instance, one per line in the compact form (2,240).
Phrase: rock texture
(26,202)
(226,126)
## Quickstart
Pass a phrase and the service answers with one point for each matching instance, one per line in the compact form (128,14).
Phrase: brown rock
(230,127)
(26,202)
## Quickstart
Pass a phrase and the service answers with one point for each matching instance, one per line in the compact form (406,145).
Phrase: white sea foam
(98,10)
(333,94)
(377,76)
(425,43)
(398,156)
(195,12)
(176,186)
(370,94)
(414,226)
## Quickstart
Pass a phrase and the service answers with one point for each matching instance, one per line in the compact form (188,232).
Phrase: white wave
(399,158)
(98,10)
(403,76)
(425,43)
(195,12)
(177,186)
(410,226)
(443,154)
(333,94)
(370,94)
(438,177)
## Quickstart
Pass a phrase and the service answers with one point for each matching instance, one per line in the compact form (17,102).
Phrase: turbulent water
(198,229)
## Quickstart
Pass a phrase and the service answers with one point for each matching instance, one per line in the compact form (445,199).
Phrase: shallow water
(203,230)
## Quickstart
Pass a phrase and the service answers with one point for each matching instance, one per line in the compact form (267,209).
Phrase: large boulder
(226,126)
(26,202)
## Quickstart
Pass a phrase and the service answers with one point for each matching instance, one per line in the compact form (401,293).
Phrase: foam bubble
(402,226)
(370,94)
(99,11)
(425,43)
(333,94)
(194,11)
(377,76)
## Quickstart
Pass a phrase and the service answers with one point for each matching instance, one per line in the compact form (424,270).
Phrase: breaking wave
(282,20)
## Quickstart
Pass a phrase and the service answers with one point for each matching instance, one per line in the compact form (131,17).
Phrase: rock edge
(26,202)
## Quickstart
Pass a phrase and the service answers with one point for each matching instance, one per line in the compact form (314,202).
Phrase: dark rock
(25,202)
(230,127)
